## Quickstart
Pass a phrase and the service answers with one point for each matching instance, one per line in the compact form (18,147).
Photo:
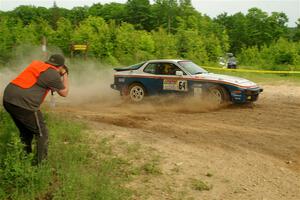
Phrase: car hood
(227,79)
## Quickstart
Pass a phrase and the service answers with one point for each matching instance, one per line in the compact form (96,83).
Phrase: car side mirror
(179,73)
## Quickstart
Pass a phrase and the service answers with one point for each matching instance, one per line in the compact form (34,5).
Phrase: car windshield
(191,67)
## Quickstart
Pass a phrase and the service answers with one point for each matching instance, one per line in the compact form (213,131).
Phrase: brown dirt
(251,152)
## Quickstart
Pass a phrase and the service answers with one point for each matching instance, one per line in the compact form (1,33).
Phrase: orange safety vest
(31,74)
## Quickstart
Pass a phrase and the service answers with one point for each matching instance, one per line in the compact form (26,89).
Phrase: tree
(191,46)
(55,15)
(164,14)
(165,44)
(6,39)
(138,13)
(62,36)
(186,9)
(96,10)
(277,25)
(95,32)
(78,14)
(296,36)
(26,13)
(111,11)
(263,29)
(133,45)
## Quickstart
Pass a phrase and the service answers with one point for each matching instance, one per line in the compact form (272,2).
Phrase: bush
(19,179)
(72,171)
(280,55)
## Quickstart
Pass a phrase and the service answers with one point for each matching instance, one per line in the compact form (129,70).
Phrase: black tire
(136,92)
(218,95)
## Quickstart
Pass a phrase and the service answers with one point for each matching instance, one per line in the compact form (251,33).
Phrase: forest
(137,30)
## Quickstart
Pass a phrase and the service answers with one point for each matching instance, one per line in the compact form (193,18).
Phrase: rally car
(182,77)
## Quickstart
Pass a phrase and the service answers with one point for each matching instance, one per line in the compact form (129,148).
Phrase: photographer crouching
(24,95)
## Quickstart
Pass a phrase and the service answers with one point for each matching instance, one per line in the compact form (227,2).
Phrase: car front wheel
(218,95)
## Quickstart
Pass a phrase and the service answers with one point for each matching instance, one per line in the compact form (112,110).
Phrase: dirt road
(243,152)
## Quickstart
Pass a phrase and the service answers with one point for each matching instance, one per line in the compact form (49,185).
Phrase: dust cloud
(89,79)
(23,55)
(173,104)
(90,87)
(90,90)
(90,83)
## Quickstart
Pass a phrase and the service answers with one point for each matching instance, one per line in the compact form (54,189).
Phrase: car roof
(167,60)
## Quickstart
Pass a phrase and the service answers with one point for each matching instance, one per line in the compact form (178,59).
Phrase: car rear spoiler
(132,67)
(119,69)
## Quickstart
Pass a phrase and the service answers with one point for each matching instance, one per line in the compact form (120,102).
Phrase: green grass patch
(152,167)
(200,185)
(260,77)
(74,169)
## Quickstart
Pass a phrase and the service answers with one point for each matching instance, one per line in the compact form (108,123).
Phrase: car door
(163,78)
(152,80)
(172,83)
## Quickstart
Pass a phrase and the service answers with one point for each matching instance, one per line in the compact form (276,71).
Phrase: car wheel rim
(137,93)
(216,96)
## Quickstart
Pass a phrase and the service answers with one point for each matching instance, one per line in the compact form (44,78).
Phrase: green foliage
(133,45)
(164,44)
(152,167)
(138,13)
(191,45)
(200,185)
(73,170)
(18,178)
(256,28)
(62,36)
(137,30)
(280,55)
(296,32)
(95,32)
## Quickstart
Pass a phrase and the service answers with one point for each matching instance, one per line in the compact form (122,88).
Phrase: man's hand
(64,70)
(65,79)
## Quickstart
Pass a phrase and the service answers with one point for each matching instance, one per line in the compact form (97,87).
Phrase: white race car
(183,77)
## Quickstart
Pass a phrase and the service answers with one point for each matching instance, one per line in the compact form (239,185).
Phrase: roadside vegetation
(137,30)
(80,165)
(200,185)
(261,77)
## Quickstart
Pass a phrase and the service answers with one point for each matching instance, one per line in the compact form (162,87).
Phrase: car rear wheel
(218,95)
(137,92)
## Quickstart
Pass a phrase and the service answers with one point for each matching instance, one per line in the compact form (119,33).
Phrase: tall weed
(72,171)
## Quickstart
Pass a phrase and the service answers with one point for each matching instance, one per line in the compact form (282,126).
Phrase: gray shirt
(31,98)
(232,61)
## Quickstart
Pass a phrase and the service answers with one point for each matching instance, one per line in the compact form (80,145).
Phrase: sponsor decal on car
(121,80)
(176,85)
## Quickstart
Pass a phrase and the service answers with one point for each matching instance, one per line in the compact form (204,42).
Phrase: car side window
(162,69)
(151,68)
(170,69)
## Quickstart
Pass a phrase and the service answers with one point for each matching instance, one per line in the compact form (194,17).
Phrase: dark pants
(231,66)
(30,124)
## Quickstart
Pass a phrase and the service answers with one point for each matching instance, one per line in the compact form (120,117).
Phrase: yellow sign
(255,71)
(80,47)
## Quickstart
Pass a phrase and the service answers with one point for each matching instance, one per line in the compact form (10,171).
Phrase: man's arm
(64,92)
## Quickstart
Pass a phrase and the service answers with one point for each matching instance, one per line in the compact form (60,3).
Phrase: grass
(257,77)
(73,171)
(152,167)
(200,185)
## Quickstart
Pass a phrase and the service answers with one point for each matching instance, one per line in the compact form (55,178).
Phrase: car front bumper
(252,94)
(114,86)
(246,95)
